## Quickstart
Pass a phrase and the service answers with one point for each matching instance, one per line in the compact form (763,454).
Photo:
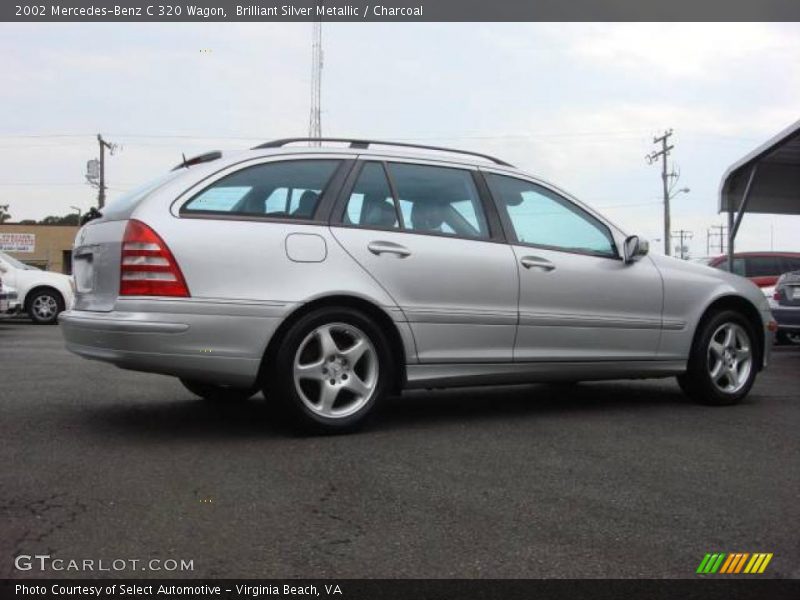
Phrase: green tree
(70,219)
(4,214)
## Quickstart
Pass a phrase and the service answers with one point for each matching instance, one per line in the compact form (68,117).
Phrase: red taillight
(148,267)
(776,295)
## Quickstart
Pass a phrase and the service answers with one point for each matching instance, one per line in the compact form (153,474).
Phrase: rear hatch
(96,254)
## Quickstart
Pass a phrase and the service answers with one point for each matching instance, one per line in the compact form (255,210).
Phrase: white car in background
(9,302)
(41,294)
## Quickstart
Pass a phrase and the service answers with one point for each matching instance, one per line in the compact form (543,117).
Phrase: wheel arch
(747,309)
(389,327)
(26,301)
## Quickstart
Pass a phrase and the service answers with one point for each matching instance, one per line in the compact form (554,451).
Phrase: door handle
(379,248)
(531,262)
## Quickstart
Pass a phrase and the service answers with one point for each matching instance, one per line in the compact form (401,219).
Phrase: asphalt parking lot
(615,479)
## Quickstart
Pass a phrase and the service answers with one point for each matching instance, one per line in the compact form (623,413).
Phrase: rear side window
(437,200)
(286,190)
(371,203)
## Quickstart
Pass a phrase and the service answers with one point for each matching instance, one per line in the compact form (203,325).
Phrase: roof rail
(364,144)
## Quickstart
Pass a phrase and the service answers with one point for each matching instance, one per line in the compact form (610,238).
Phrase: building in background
(48,247)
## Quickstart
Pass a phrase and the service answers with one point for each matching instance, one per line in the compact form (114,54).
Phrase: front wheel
(332,369)
(217,393)
(722,364)
(44,307)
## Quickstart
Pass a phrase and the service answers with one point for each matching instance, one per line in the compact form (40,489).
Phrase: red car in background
(762,268)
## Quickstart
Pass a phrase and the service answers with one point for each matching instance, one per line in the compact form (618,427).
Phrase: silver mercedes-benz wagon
(330,277)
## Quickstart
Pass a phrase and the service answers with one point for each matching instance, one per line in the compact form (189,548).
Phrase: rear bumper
(219,348)
(788,318)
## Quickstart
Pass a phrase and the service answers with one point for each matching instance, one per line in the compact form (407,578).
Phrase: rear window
(286,189)
(122,206)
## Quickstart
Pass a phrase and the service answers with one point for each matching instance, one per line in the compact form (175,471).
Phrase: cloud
(682,50)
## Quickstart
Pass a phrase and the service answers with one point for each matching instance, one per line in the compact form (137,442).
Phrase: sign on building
(18,242)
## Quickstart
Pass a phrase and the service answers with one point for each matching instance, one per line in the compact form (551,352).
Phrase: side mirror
(3,268)
(634,247)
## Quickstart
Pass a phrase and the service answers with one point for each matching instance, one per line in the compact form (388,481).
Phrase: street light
(680,191)
(79,211)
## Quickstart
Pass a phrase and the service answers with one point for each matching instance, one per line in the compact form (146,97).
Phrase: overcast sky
(577,104)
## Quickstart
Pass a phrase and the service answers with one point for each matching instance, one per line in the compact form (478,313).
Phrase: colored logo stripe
(734,563)
(758,563)
(711,563)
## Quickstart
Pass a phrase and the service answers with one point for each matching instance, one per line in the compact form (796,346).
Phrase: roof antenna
(183,164)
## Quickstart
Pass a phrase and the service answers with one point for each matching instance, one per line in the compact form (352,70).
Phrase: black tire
(218,393)
(281,381)
(45,305)
(697,382)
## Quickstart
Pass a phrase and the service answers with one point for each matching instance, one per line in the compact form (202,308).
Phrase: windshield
(16,264)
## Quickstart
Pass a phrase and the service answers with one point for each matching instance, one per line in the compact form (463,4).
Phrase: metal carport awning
(767,180)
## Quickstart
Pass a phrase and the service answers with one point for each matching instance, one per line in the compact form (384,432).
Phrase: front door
(579,301)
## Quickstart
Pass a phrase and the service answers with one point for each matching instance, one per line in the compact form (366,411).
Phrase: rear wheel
(44,306)
(217,393)
(333,367)
(722,363)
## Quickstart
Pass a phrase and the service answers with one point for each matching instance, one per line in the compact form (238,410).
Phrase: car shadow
(530,400)
(260,418)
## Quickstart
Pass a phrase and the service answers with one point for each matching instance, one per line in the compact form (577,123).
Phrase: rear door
(578,300)
(422,230)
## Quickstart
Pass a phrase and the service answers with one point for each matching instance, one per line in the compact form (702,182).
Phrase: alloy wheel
(336,370)
(730,358)
(45,307)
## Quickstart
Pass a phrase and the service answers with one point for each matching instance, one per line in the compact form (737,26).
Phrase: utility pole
(682,234)
(716,232)
(653,157)
(101,187)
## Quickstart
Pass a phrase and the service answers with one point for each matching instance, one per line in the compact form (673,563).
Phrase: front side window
(288,189)
(543,218)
